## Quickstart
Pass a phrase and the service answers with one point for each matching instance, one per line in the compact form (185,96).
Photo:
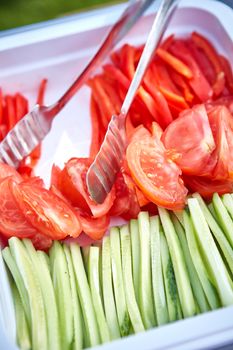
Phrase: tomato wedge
(7,170)
(207,187)
(73,187)
(190,136)
(94,228)
(41,242)
(45,211)
(12,220)
(156,174)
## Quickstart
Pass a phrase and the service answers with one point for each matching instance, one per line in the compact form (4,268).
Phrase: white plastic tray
(59,51)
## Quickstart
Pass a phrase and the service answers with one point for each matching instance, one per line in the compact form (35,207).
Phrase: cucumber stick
(117,275)
(193,276)
(210,252)
(157,273)
(51,312)
(108,295)
(224,218)
(32,285)
(208,287)
(62,288)
(133,309)
(78,334)
(94,282)
(85,255)
(135,251)
(146,303)
(173,301)
(23,334)
(181,274)
(217,232)
(84,294)
(12,266)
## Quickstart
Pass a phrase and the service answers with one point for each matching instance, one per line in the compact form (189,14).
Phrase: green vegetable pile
(150,272)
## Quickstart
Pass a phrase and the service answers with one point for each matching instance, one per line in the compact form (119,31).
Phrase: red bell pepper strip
(228,72)
(21,106)
(41,93)
(1,107)
(180,82)
(167,42)
(175,63)
(95,143)
(211,53)
(10,112)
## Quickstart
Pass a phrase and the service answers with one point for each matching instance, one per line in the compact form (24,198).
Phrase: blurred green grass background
(16,13)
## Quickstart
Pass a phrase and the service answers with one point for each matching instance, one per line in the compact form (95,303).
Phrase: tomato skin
(207,187)
(94,228)
(12,220)
(155,174)
(73,187)
(190,136)
(46,212)
(41,242)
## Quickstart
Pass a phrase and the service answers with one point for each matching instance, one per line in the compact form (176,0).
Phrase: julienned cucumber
(62,288)
(51,312)
(94,281)
(217,232)
(193,276)
(117,274)
(210,253)
(132,305)
(145,283)
(182,279)
(173,301)
(32,285)
(78,334)
(85,296)
(135,251)
(108,296)
(157,273)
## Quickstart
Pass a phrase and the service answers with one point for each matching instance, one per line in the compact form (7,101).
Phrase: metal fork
(102,173)
(32,129)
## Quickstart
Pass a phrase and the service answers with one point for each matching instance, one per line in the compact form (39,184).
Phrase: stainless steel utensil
(102,173)
(32,129)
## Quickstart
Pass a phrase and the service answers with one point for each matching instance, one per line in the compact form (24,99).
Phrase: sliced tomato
(55,176)
(190,136)
(95,228)
(41,242)
(122,202)
(156,174)
(73,186)
(7,170)
(207,187)
(226,101)
(45,211)
(12,220)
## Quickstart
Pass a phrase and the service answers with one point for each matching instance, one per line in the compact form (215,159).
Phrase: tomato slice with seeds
(12,220)
(190,136)
(156,174)
(73,186)
(45,211)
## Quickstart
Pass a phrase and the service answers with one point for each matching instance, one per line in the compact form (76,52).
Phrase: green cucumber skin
(84,294)
(135,251)
(94,281)
(209,249)
(32,285)
(216,230)
(133,309)
(12,266)
(146,303)
(23,334)
(160,302)
(172,297)
(181,274)
(108,295)
(78,333)
(194,279)
(224,218)
(117,274)
(48,294)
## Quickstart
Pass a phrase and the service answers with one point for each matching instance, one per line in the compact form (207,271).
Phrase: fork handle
(166,10)
(129,17)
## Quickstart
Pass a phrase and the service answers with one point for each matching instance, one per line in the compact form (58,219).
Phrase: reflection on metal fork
(102,173)
(33,128)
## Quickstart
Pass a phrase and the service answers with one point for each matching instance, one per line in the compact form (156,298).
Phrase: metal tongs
(102,173)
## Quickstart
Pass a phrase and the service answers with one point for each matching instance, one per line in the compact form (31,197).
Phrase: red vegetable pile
(180,138)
